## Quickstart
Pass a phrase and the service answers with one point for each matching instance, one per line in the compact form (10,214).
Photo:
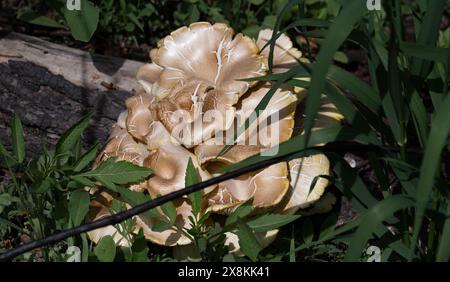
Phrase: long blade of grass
(372,218)
(337,33)
(440,130)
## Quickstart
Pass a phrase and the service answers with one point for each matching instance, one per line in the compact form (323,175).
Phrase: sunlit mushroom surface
(194,71)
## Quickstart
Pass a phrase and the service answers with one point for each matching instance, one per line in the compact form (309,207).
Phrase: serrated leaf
(71,136)
(106,249)
(83,22)
(86,159)
(83,180)
(136,198)
(192,177)
(170,211)
(241,212)
(78,206)
(18,143)
(111,172)
(248,242)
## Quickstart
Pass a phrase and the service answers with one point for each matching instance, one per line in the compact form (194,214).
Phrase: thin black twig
(121,216)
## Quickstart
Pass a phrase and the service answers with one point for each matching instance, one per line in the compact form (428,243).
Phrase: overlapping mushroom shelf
(196,77)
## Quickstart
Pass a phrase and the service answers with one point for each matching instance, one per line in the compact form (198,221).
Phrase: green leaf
(343,25)
(193,177)
(18,144)
(437,139)
(35,18)
(424,52)
(161,226)
(86,159)
(443,254)
(69,139)
(241,212)
(83,180)
(105,249)
(374,216)
(78,206)
(170,211)
(6,159)
(135,199)
(271,221)
(111,172)
(139,249)
(82,23)
(248,242)
(41,186)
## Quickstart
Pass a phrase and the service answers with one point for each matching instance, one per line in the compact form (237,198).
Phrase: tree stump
(52,86)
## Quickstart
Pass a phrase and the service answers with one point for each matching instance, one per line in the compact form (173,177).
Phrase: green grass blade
(337,33)
(443,254)
(440,130)
(374,216)
(18,143)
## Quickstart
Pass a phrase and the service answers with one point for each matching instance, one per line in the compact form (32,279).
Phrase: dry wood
(52,86)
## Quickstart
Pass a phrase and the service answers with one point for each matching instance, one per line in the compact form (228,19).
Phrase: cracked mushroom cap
(122,145)
(169,163)
(196,70)
(302,173)
(173,236)
(99,208)
(268,186)
(206,53)
(194,112)
(285,55)
(278,115)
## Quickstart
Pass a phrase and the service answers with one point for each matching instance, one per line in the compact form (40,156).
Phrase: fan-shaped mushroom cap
(194,112)
(278,115)
(323,205)
(285,55)
(206,53)
(139,117)
(98,210)
(264,239)
(302,173)
(147,75)
(124,147)
(268,186)
(169,163)
(173,236)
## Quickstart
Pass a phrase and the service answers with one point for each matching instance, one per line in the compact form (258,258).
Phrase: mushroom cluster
(193,95)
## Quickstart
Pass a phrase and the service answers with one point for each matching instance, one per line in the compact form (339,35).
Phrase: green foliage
(400,119)
(42,197)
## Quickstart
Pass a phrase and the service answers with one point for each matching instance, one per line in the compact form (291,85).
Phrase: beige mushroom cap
(173,236)
(302,173)
(147,75)
(264,239)
(285,55)
(98,210)
(206,53)
(139,117)
(169,163)
(124,147)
